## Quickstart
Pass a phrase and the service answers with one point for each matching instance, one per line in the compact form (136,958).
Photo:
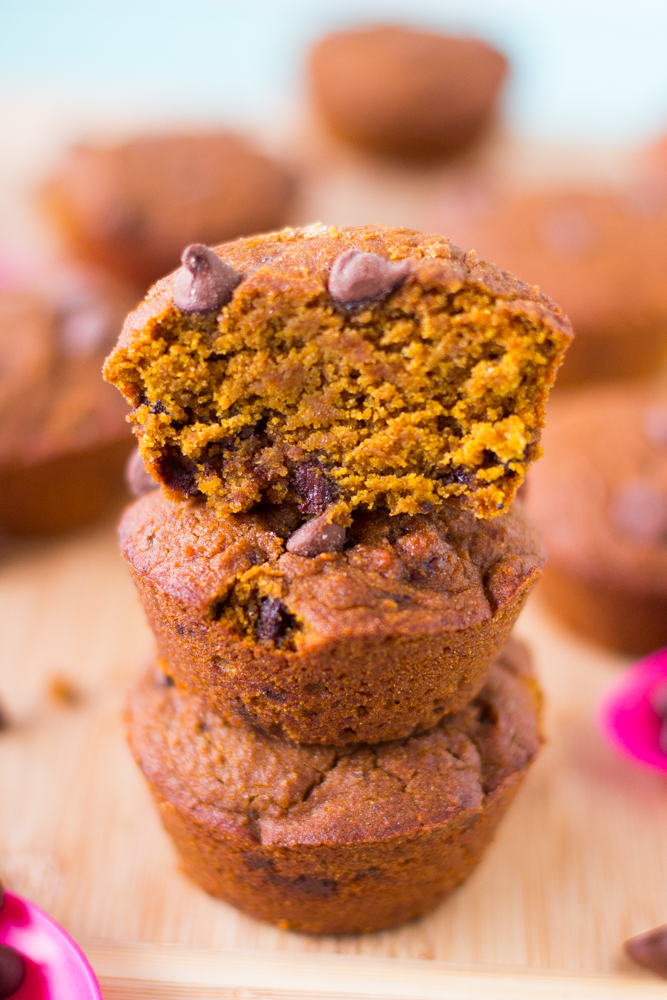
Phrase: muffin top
(599,496)
(56,325)
(134,206)
(281,794)
(389,365)
(404,92)
(398,575)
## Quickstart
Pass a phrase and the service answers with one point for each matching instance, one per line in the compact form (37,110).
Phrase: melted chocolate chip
(158,407)
(655,425)
(12,971)
(357,277)
(316,536)
(178,473)
(650,950)
(273,620)
(139,480)
(465,477)
(639,510)
(315,491)
(205,282)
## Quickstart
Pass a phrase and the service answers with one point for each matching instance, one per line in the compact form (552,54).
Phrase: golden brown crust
(331,841)
(436,391)
(378,641)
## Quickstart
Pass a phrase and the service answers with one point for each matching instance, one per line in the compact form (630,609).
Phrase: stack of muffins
(339,420)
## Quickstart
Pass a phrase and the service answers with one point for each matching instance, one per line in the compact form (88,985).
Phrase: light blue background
(584,71)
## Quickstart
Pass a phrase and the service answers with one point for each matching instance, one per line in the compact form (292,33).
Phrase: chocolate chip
(650,950)
(12,971)
(158,407)
(655,425)
(316,536)
(205,282)
(357,277)
(178,473)
(639,509)
(315,491)
(273,620)
(139,480)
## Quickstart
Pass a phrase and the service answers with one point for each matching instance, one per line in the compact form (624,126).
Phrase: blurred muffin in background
(600,253)
(405,93)
(599,501)
(64,438)
(133,207)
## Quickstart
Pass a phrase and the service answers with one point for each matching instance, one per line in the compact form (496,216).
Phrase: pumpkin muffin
(600,253)
(369,366)
(370,637)
(333,841)
(599,500)
(406,93)
(133,207)
(64,436)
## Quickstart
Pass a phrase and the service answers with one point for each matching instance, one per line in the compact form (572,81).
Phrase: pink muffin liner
(56,968)
(627,718)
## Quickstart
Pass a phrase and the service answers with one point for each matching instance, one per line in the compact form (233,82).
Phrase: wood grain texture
(578,865)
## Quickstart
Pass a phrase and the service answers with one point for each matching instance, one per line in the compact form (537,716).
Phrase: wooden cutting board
(579,863)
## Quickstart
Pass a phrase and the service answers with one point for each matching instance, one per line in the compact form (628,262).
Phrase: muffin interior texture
(284,395)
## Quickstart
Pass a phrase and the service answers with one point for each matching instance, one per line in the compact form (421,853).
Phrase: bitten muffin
(133,207)
(601,254)
(64,436)
(387,366)
(370,642)
(405,93)
(599,500)
(336,841)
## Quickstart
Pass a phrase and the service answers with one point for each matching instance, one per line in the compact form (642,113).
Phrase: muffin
(133,207)
(405,93)
(64,437)
(599,500)
(601,254)
(333,841)
(372,641)
(338,369)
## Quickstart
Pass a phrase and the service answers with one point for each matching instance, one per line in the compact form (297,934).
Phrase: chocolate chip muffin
(405,93)
(340,368)
(601,254)
(371,638)
(133,207)
(334,841)
(64,436)
(599,499)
